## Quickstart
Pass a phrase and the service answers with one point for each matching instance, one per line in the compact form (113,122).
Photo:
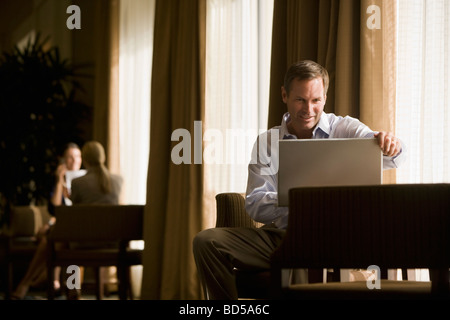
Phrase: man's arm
(261,201)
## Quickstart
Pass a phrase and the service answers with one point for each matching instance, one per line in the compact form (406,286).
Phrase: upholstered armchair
(256,285)
(381,226)
(231,213)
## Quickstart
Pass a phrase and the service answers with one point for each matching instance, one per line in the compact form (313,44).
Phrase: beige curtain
(355,42)
(106,101)
(378,68)
(302,29)
(173,213)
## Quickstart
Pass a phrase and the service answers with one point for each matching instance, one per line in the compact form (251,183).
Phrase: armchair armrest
(231,211)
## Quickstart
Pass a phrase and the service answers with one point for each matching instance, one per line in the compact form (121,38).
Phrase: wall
(21,18)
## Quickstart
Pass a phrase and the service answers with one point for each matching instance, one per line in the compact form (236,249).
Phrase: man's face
(305,103)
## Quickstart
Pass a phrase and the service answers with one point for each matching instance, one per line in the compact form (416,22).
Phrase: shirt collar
(323,125)
(284,130)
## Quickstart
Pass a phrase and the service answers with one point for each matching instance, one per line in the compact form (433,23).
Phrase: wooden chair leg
(9,277)
(440,284)
(404,274)
(130,285)
(315,275)
(123,276)
(336,277)
(99,283)
(50,282)
(384,273)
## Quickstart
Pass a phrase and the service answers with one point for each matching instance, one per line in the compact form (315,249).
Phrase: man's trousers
(218,251)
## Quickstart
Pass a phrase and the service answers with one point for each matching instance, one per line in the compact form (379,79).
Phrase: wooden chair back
(84,230)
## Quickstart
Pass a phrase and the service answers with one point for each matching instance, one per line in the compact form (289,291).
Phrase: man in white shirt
(218,251)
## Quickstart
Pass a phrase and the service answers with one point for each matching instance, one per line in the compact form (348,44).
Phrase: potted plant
(38,115)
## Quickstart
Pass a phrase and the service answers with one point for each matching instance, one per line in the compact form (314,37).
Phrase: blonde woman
(98,185)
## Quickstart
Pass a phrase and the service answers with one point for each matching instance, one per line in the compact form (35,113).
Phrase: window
(135,66)
(238,50)
(135,55)
(423,83)
(237,83)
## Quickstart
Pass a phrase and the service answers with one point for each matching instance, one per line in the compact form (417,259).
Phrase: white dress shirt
(262,196)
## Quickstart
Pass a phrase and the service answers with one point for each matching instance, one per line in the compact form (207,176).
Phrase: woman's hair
(93,154)
(306,70)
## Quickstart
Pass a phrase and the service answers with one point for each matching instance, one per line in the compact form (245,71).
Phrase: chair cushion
(359,290)
(27,220)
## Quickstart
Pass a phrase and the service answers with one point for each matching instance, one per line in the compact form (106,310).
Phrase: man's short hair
(306,70)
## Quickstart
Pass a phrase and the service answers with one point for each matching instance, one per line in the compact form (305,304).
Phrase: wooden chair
(387,226)
(96,236)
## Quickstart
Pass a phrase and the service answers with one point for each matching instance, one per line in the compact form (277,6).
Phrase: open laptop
(327,162)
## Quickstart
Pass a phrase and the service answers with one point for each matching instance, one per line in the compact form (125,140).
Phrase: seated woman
(97,186)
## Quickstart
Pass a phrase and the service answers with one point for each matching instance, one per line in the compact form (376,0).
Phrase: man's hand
(389,144)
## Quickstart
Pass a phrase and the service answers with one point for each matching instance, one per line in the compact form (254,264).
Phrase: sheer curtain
(135,64)
(423,85)
(423,106)
(238,49)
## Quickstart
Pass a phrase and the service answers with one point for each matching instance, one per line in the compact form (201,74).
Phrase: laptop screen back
(327,162)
